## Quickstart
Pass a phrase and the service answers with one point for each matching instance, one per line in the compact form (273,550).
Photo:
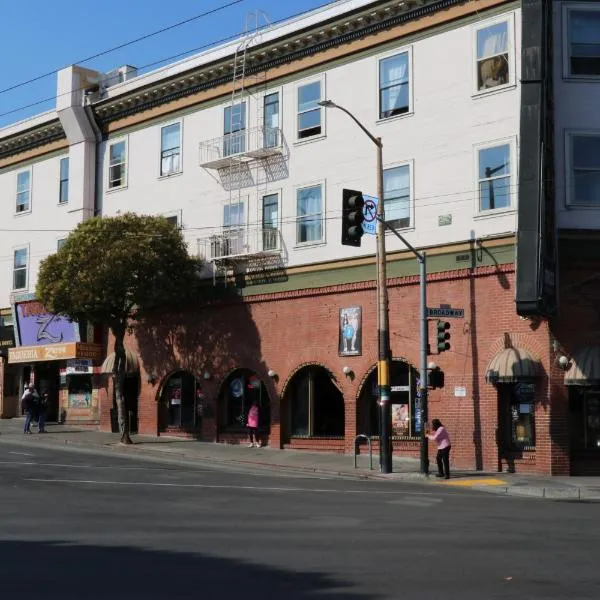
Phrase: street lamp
(383,333)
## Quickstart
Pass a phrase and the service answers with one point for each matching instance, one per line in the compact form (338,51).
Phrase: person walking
(42,407)
(442,439)
(28,404)
(253,415)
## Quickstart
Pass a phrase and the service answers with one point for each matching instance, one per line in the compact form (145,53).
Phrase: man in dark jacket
(28,403)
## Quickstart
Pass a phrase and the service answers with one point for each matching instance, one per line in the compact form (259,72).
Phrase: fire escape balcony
(238,243)
(256,143)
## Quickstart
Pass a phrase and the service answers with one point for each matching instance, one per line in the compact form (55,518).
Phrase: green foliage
(110,269)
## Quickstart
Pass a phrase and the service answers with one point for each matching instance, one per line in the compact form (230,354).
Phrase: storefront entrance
(179,404)
(47,379)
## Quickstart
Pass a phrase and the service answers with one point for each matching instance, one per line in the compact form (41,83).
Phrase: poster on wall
(400,420)
(350,337)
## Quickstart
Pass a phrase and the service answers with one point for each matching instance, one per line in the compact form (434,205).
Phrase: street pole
(424,337)
(383,330)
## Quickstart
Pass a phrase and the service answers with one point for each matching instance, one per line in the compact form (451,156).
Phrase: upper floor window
(234,129)
(271,120)
(309,215)
(396,194)
(493,56)
(495,171)
(584,188)
(20,259)
(170,149)
(117,168)
(394,90)
(582,41)
(23,191)
(270,221)
(60,243)
(309,111)
(63,189)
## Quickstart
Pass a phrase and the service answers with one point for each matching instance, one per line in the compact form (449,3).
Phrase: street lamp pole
(383,331)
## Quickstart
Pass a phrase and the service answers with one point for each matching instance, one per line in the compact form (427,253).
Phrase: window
(60,243)
(234,139)
(23,191)
(233,221)
(517,419)
(173,220)
(494,178)
(585,170)
(117,169)
(582,54)
(309,111)
(271,120)
(270,221)
(63,190)
(309,215)
(394,92)
(20,269)
(170,149)
(492,61)
(396,194)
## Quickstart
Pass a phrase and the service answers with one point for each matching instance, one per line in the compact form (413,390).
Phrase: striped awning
(132,363)
(585,367)
(511,365)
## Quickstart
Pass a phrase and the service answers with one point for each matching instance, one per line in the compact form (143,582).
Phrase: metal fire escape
(237,156)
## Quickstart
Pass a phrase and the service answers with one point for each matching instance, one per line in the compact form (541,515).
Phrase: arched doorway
(239,391)
(406,418)
(315,406)
(178,402)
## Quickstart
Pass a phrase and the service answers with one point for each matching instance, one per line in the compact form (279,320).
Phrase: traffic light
(352,217)
(443,336)
(435,378)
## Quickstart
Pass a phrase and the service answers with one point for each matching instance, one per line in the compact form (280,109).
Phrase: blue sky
(39,36)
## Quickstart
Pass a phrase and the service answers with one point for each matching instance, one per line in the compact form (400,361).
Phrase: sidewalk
(183,451)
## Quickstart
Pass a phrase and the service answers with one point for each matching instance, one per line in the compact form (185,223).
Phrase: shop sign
(7,334)
(78,366)
(28,354)
(38,327)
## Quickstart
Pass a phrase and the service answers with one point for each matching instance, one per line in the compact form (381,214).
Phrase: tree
(115,271)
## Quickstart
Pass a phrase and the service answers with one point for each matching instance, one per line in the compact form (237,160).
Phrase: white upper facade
(444,101)
(577,119)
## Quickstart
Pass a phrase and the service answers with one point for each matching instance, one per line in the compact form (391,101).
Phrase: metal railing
(362,436)
(254,143)
(240,241)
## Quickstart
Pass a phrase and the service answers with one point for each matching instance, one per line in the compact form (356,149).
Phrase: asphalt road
(103,527)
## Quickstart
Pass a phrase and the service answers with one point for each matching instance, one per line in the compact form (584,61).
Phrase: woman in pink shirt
(253,425)
(441,437)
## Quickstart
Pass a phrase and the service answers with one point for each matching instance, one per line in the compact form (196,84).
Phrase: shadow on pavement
(61,569)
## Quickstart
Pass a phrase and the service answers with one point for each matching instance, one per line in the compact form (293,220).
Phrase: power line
(123,45)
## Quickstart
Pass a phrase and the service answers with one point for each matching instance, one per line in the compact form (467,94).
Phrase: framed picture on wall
(350,338)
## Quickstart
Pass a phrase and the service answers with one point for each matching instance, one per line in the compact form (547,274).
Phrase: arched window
(241,388)
(316,405)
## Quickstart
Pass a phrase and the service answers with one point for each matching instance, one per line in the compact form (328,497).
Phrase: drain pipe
(98,136)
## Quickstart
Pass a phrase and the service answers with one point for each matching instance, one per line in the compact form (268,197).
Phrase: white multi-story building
(235,147)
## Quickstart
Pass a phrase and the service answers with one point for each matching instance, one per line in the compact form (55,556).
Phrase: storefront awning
(132,363)
(511,365)
(585,367)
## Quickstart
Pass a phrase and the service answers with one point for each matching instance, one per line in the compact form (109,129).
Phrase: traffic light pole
(422,391)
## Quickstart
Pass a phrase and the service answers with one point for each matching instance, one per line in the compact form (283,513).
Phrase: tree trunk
(119,380)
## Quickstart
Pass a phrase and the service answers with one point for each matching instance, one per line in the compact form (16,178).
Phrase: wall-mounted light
(206,375)
(563,362)
(346,370)
(271,373)
(431,366)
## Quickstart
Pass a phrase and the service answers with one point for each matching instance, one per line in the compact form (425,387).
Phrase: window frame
(278,194)
(509,19)
(174,213)
(567,8)
(570,201)
(60,243)
(27,211)
(408,50)
(242,132)
(411,209)
(162,175)
(513,148)
(26,268)
(323,112)
(62,202)
(109,145)
(268,93)
(309,244)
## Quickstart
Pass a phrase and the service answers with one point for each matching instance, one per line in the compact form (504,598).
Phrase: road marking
(85,466)
(223,487)
(22,453)
(471,482)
